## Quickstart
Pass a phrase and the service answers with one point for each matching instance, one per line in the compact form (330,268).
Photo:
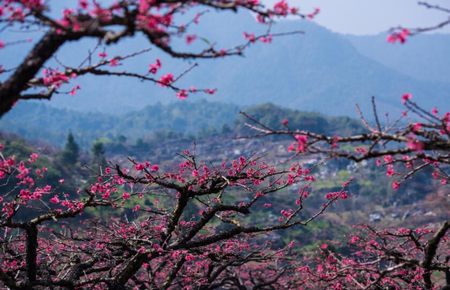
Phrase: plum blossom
(166,80)
(154,67)
(190,38)
(250,36)
(400,37)
(395,185)
(406,97)
(54,199)
(182,94)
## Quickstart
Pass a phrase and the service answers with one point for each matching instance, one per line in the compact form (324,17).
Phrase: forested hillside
(37,121)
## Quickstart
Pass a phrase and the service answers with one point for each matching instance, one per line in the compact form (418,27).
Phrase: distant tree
(140,143)
(98,152)
(226,129)
(71,150)
(121,139)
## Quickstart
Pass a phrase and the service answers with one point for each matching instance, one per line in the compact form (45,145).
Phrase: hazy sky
(372,16)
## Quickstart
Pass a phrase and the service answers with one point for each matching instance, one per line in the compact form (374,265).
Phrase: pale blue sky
(372,16)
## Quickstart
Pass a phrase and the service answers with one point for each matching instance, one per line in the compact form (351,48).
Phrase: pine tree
(98,152)
(71,150)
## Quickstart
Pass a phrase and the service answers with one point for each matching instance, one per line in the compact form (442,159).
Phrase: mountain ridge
(318,71)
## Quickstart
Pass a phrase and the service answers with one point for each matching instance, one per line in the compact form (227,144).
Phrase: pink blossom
(415,144)
(388,159)
(210,91)
(253,2)
(182,94)
(266,39)
(354,239)
(33,157)
(286,213)
(107,194)
(281,7)
(250,36)
(391,38)
(154,67)
(74,90)
(314,13)
(25,194)
(144,6)
(197,18)
(395,185)
(301,144)
(399,36)
(166,80)
(404,34)
(139,166)
(54,199)
(261,18)
(406,97)
(390,170)
(416,127)
(126,195)
(331,195)
(114,62)
(361,150)
(435,174)
(83,4)
(259,194)
(54,78)
(190,38)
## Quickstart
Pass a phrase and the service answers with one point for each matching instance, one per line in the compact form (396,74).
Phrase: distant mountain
(319,71)
(424,57)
